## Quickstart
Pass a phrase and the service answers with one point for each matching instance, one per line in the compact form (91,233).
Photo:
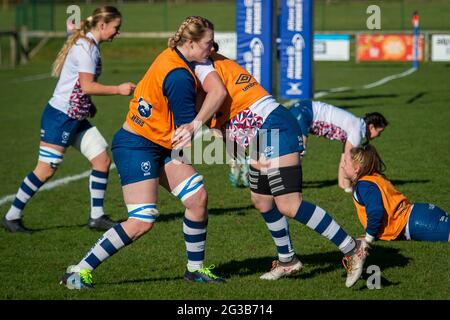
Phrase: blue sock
(28,188)
(97,188)
(195,237)
(112,241)
(279,228)
(320,221)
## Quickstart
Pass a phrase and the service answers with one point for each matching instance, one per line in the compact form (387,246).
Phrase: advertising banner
(332,47)
(440,47)
(386,47)
(255,39)
(296,49)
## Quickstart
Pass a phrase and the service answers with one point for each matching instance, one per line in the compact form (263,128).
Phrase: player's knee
(260,203)
(138,228)
(101,162)
(191,191)
(49,159)
(197,201)
(91,144)
(288,209)
(44,171)
(141,218)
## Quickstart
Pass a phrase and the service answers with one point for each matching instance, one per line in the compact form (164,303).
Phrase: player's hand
(92,111)
(182,136)
(126,89)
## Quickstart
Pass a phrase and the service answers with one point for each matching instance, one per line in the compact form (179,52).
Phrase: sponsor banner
(296,49)
(386,47)
(440,47)
(331,47)
(227,43)
(255,35)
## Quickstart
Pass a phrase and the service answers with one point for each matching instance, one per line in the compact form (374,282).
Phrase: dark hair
(377,119)
(369,159)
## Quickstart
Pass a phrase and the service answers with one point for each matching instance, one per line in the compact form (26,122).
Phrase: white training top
(84,56)
(262,108)
(337,124)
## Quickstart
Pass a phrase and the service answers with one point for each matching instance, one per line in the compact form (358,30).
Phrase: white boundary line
(364,87)
(66,180)
(32,78)
(54,184)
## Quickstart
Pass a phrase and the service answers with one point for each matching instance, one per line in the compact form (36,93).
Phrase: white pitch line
(54,184)
(35,77)
(378,83)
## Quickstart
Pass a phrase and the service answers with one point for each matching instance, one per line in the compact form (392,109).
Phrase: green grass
(415,148)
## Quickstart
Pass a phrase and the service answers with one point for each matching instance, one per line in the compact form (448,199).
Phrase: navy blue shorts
(279,135)
(137,158)
(58,128)
(428,222)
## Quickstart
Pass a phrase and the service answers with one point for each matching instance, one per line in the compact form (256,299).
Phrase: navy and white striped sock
(320,221)
(97,187)
(28,188)
(112,241)
(195,237)
(279,228)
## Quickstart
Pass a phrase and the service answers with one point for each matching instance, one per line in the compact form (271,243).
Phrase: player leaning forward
(251,113)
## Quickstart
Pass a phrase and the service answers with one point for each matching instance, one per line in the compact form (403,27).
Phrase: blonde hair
(105,14)
(193,28)
(369,160)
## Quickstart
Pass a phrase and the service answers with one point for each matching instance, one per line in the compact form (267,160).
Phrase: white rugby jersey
(84,56)
(337,124)
(262,108)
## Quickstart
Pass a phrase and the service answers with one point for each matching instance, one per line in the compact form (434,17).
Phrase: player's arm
(370,196)
(87,60)
(91,87)
(215,96)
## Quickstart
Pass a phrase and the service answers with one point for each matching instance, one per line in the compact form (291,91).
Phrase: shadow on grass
(319,263)
(401,182)
(365,96)
(320,184)
(162,218)
(35,230)
(143,280)
(416,97)
(333,182)
(211,211)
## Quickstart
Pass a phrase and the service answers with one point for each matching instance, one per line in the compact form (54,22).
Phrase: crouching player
(385,213)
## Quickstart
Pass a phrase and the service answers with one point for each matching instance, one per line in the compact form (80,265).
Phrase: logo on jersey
(243,78)
(268,151)
(145,167)
(144,108)
(65,136)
